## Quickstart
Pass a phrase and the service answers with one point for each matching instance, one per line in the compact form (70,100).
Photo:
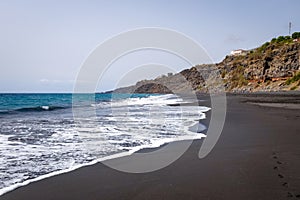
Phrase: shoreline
(109,156)
(228,165)
(141,149)
(138,149)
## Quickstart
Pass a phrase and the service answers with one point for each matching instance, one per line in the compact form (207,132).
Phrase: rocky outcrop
(152,88)
(260,67)
(280,62)
(184,82)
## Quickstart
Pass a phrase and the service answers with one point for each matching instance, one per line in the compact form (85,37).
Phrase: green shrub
(280,39)
(237,77)
(274,43)
(296,35)
(274,40)
(255,55)
(263,47)
(293,79)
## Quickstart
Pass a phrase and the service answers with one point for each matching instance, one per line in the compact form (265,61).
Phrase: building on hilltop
(296,40)
(238,52)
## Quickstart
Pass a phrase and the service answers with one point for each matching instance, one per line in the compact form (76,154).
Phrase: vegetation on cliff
(293,79)
(274,66)
(264,68)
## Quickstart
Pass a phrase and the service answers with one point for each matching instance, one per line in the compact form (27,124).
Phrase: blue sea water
(40,135)
(12,103)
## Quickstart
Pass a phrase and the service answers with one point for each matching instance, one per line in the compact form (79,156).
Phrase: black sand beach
(256,157)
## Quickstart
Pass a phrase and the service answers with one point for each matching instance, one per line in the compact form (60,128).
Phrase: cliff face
(263,69)
(275,66)
(186,81)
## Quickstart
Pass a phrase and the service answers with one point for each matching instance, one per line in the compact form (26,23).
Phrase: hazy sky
(44,43)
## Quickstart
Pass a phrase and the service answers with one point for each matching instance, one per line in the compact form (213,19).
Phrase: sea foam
(36,147)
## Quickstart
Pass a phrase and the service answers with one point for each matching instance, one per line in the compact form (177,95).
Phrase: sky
(43,44)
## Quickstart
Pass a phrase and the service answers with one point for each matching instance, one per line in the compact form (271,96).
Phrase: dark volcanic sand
(256,157)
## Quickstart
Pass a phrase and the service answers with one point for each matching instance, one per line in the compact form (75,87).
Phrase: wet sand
(256,157)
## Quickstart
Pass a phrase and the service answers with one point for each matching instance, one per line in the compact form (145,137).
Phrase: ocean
(40,137)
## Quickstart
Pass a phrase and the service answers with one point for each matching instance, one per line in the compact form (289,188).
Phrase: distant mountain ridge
(274,66)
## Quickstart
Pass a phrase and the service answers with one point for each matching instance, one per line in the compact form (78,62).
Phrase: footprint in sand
(280,176)
(290,194)
(285,184)
(279,163)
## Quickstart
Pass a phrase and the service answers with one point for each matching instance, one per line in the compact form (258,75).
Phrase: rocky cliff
(274,66)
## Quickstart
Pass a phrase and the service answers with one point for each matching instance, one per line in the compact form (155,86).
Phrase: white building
(237,52)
